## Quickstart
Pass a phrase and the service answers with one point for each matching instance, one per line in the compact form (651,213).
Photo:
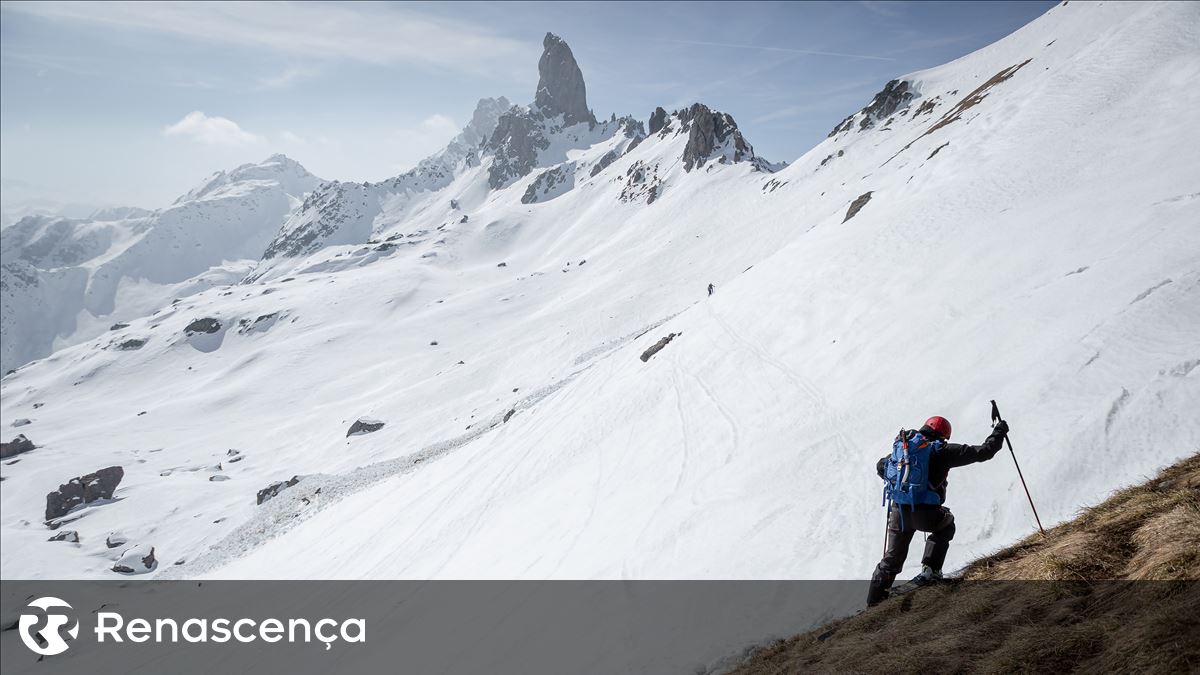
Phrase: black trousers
(901,527)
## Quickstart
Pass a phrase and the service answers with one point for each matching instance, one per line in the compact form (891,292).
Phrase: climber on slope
(916,473)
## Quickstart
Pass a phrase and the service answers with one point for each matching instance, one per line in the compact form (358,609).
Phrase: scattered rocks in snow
(658,346)
(641,181)
(66,535)
(115,539)
(433,343)
(261,323)
(83,490)
(218,478)
(118,326)
(234,456)
(132,344)
(937,150)
(503,264)
(137,560)
(22,422)
(16,446)
(508,415)
(275,488)
(365,425)
(206,325)
(857,204)
(464,219)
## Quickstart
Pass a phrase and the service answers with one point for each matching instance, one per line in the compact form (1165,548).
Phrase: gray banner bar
(421,627)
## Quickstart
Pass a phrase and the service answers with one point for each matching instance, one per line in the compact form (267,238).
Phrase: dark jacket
(952,455)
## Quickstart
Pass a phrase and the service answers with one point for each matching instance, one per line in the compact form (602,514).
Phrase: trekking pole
(996,418)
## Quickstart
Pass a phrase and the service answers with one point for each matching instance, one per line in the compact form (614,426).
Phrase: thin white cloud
(290,76)
(786,50)
(367,33)
(440,126)
(889,8)
(210,130)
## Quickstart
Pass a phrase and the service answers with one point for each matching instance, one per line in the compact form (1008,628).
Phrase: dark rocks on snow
(16,446)
(275,488)
(658,120)
(364,425)
(508,415)
(115,539)
(502,264)
(83,490)
(22,422)
(605,161)
(894,94)
(118,326)
(857,204)
(131,344)
(658,346)
(545,183)
(206,325)
(708,130)
(66,535)
(560,83)
(515,143)
(137,560)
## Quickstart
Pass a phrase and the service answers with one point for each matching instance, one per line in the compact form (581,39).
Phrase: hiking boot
(927,576)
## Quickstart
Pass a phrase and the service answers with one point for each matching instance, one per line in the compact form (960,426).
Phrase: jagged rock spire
(560,83)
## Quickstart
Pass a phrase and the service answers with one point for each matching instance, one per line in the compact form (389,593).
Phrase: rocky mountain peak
(711,134)
(895,94)
(560,83)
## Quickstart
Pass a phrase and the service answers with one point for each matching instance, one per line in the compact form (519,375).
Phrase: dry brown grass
(1117,589)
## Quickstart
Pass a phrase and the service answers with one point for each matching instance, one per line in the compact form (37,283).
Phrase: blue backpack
(907,470)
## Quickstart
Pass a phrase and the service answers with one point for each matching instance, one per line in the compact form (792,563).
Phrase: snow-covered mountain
(506,364)
(64,281)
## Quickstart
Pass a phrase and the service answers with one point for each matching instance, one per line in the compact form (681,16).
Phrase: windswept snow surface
(1046,256)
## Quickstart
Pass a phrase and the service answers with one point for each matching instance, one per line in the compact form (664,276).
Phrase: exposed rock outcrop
(16,446)
(83,490)
(895,94)
(658,120)
(70,536)
(658,346)
(561,90)
(137,560)
(206,325)
(550,183)
(364,425)
(272,490)
(857,204)
(515,143)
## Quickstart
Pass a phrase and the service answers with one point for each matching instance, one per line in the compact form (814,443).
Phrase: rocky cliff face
(560,83)
(895,94)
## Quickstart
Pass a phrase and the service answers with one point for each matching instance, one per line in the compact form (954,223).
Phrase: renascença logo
(43,623)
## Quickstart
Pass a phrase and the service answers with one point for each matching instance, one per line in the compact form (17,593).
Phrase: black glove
(1001,428)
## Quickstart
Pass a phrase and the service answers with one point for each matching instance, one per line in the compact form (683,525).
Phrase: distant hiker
(711,288)
(916,474)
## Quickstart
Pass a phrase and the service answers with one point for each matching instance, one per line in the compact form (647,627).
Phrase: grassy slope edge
(1117,589)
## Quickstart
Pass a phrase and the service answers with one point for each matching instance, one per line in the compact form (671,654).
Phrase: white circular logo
(43,623)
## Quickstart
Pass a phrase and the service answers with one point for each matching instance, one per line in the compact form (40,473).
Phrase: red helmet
(939,424)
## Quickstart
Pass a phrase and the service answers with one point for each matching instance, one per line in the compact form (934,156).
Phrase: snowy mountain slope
(66,280)
(1046,257)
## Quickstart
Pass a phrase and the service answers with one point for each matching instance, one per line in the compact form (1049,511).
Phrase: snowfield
(1031,235)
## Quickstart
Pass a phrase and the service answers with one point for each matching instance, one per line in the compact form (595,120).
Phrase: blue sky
(133,103)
